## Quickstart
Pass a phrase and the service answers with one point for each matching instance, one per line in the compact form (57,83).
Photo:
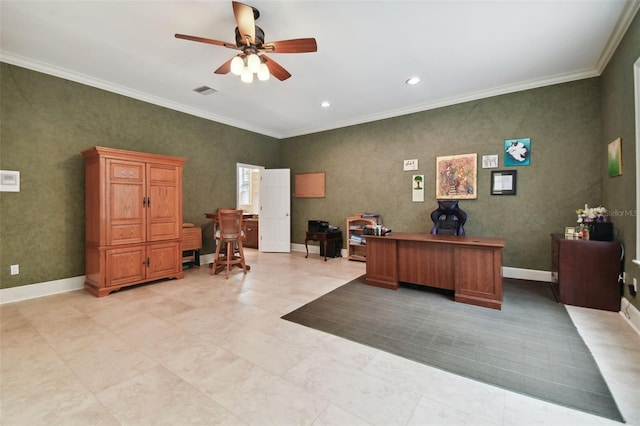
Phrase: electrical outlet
(624,278)
(15,269)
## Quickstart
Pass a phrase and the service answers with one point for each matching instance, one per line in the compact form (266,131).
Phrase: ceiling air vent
(205,90)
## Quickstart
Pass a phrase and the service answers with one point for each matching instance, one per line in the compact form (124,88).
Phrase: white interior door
(275,211)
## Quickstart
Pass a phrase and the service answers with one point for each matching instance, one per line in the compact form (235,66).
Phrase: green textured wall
(363,166)
(45,122)
(619,122)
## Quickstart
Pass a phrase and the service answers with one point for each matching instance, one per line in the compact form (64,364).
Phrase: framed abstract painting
(457,177)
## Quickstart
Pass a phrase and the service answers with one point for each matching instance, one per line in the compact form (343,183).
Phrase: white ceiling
(462,50)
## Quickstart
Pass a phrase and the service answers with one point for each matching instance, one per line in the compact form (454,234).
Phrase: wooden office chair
(229,236)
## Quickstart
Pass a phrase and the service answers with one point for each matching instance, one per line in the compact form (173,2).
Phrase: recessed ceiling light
(325,104)
(413,80)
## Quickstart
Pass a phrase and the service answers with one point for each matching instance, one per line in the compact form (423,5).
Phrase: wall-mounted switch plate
(15,269)
(635,285)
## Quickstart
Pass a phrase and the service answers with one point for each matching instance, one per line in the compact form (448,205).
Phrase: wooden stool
(230,236)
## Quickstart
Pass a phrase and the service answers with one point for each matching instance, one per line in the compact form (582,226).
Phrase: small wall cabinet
(585,273)
(133,209)
(357,250)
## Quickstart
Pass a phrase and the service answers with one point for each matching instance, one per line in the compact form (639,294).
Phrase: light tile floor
(207,350)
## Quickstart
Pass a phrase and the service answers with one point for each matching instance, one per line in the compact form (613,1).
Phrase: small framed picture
(503,182)
(9,181)
(489,161)
(570,232)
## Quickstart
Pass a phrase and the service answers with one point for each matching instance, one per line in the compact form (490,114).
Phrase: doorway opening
(248,187)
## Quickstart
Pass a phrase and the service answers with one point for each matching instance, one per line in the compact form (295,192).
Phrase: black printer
(318,226)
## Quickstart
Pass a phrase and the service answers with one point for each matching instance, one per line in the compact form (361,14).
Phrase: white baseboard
(631,314)
(315,249)
(206,259)
(31,291)
(526,274)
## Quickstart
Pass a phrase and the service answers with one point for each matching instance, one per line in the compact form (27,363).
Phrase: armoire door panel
(125,265)
(164,259)
(125,209)
(164,197)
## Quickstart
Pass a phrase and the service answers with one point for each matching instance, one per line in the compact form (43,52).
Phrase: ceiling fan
(250,42)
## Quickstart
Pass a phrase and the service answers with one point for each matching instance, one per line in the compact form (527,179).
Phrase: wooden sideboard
(585,273)
(471,266)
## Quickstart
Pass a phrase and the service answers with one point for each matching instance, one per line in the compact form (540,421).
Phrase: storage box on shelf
(356,249)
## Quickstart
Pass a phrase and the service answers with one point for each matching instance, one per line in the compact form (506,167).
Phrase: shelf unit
(355,224)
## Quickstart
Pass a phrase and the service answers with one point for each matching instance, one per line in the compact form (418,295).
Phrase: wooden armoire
(133,205)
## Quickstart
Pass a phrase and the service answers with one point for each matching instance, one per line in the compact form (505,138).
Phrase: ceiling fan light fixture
(253,63)
(246,76)
(263,72)
(237,65)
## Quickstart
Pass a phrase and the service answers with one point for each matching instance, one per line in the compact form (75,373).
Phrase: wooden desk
(322,237)
(471,266)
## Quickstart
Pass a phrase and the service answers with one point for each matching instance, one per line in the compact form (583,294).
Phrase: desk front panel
(382,263)
(429,264)
(478,278)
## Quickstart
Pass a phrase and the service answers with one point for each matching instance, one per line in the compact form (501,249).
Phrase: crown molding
(629,12)
(125,91)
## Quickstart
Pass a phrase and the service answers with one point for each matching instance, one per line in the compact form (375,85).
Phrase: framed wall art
(417,191)
(615,158)
(9,181)
(517,152)
(504,182)
(457,177)
(489,161)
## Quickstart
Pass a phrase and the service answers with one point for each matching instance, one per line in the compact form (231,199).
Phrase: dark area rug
(531,346)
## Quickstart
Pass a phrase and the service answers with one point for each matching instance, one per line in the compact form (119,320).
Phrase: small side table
(323,238)
(191,244)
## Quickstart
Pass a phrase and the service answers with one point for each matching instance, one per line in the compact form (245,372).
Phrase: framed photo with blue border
(517,152)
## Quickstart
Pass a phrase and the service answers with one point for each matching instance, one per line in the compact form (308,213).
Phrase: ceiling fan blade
(298,45)
(224,68)
(275,69)
(206,40)
(246,21)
